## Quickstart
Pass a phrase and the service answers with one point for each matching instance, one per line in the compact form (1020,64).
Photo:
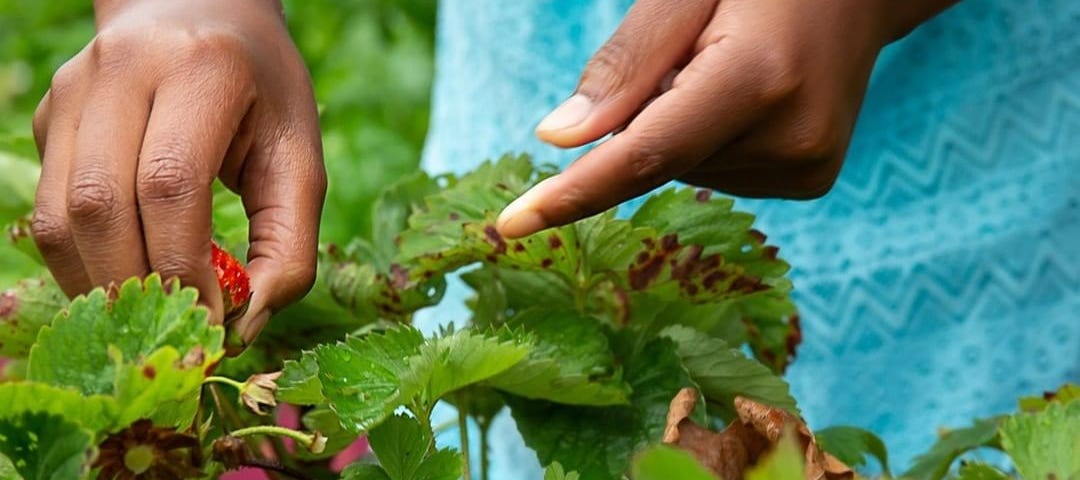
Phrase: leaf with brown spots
(757,430)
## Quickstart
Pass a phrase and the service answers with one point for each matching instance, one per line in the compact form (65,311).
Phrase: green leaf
(723,373)
(24,310)
(1045,444)
(570,362)
(851,445)
(7,469)
(364,471)
(598,442)
(664,463)
(18,184)
(402,446)
(95,412)
(46,447)
(362,376)
(162,387)
(448,363)
(299,381)
(934,464)
(980,471)
(391,211)
(785,462)
(1065,394)
(74,350)
(555,472)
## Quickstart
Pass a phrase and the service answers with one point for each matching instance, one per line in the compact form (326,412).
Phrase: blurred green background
(370,60)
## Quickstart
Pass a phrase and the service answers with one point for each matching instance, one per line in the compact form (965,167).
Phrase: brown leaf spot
(554,241)
(519,247)
(703,195)
(757,235)
(546,263)
(149,372)
(399,276)
(495,239)
(9,303)
(454,216)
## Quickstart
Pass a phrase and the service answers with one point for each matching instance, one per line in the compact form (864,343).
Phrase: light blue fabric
(938,281)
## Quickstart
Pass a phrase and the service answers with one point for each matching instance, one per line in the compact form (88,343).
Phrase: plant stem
(301,437)
(226,381)
(463,430)
(276,467)
(485,426)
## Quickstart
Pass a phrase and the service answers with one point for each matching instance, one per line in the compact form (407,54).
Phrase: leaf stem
(303,438)
(224,380)
(485,427)
(463,430)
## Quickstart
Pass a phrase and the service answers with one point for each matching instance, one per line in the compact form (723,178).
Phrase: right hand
(167,97)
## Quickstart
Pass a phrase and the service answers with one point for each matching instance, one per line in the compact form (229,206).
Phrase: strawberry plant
(648,345)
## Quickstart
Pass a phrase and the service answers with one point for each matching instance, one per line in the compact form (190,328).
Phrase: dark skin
(754,98)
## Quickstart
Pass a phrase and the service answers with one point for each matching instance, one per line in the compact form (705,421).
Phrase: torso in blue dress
(938,281)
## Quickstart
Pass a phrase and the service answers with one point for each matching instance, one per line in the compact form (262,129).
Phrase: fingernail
(571,113)
(521,217)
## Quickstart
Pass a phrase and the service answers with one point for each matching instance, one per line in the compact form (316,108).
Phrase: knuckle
(50,231)
(65,79)
(166,177)
(816,142)
(780,75)
(647,165)
(175,266)
(93,197)
(609,70)
(113,48)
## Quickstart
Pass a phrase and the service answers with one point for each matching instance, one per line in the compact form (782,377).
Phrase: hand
(167,97)
(755,98)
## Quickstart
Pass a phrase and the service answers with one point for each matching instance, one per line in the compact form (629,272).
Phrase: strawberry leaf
(362,376)
(95,412)
(299,381)
(42,446)
(1045,444)
(980,471)
(934,464)
(570,363)
(24,309)
(445,364)
(663,463)
(405,452)
(852,445)
(723,373)
(598,442)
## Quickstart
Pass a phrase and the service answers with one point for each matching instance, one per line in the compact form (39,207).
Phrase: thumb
(654,38)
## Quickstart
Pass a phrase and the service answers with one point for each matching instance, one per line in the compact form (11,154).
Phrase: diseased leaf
(43,446)
(852,445)
(665,463)
(95,412)
(570,361)
(935,463)
(362,376)
(24,309)
(390,214)
(723,373)
(1065,394)
(372,294)
(598,442)
(299,381)
(75,350)
(1045,444)
(980,471)
(162,387)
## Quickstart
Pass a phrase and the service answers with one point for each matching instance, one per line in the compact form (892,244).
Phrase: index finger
(715,98)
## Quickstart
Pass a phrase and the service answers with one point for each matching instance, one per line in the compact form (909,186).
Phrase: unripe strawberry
(233,280)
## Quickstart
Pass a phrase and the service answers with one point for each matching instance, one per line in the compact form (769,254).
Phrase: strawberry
(233,280)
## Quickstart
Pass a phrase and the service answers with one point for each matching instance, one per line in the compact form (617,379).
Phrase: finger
(802,182)
(190,129)
(58,123)
(711,102)
(654,38)
(101,205)
(40,124)
(283,187)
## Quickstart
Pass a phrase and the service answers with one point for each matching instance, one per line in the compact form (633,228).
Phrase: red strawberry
(233,280)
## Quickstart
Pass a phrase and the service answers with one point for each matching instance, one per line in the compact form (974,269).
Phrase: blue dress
(939,279)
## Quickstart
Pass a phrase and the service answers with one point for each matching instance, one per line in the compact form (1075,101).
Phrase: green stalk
(225,381)
(302,438)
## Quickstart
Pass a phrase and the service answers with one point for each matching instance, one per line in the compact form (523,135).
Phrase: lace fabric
(937,281)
